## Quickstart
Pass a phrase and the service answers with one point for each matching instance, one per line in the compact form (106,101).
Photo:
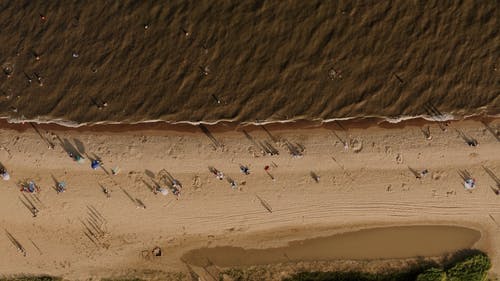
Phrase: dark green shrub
(474,268)
(433,274)
(470,265)
(31,278)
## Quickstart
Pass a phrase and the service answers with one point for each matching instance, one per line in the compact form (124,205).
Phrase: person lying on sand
(244,169)
(95,164)
(218,174)
(30,187)
(4,174)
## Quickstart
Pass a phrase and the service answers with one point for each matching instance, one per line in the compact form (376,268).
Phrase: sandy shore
(370,187)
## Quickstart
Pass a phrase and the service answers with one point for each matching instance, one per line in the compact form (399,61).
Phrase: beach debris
(244,169)
(399,158)
(156,252)
(43,18)
(451,192)
(265,204)
(75,55)
(146,26)
(267,168)
(196,183)
(16,243)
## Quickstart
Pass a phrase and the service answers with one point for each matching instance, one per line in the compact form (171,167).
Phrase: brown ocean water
(262,60)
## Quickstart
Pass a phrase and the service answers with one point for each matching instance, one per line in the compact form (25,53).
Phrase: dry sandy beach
(365,186)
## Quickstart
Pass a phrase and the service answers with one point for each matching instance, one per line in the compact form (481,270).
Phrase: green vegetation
(473,268)
(433,274)
(463,266)
(31,278)
(122,279)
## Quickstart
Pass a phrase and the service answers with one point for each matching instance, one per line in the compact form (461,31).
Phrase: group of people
(220,175)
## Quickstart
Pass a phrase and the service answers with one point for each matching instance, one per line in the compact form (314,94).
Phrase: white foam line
(393,120)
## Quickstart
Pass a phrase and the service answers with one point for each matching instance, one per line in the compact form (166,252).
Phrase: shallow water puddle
(374,243)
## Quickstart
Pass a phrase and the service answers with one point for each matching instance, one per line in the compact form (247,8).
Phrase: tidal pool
(373,243)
